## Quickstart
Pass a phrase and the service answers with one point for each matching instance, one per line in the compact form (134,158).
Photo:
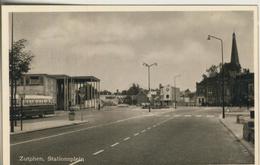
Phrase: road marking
(198,115)
(210,116)
(149,128)
(127,138)
(143,131)
(70,132)
(154,125)
(177,115)
(98,152)
(136,134)
(80,160)
(113,145)
(187,115)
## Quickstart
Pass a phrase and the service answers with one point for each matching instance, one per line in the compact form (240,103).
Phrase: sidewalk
(236,129)
(42,125)
(61,119)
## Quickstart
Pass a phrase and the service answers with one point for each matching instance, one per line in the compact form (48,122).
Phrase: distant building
(112,99)
(169,95)
(63,89)
(187,98)
(238,85)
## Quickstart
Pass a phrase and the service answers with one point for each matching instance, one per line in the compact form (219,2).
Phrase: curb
(245,145)
(68,125)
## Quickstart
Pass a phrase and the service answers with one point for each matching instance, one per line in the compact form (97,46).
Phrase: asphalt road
(134,137)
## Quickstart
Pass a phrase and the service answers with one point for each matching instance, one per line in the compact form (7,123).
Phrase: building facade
(169,95)
(238,84)
(64,90)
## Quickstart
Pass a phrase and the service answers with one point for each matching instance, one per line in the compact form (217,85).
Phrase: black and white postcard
(129,85)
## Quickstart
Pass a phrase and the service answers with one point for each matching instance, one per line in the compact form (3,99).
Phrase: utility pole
(12,78)
(149,89)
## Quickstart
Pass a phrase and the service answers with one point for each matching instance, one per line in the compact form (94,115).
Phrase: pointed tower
(234,54)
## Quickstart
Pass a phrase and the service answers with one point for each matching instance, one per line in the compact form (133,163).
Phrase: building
(187,98)
(63,89)
(238,84)
(169,95)
(112,99)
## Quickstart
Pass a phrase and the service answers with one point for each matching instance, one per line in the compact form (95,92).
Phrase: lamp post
(222,64)
(175,100)
(148,67)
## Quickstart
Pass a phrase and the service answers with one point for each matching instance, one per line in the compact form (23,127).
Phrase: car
(145,105)
(248,130)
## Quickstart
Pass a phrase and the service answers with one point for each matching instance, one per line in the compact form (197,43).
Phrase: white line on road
(136,134)
(198,115)
(98,152)
(113,145)
(127,138)
(149,128)
(154,125)
(70,132)
(143,131)
(73,163)
(177,115)
(187,115)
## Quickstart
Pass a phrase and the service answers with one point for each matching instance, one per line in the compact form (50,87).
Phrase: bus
(33,105)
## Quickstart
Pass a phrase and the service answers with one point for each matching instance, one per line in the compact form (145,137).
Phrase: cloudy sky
(113,45)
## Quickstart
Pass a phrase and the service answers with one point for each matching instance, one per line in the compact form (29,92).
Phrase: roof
(62,76)
(38,74)
(85,78)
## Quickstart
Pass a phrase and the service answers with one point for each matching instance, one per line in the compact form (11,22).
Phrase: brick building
(238,84)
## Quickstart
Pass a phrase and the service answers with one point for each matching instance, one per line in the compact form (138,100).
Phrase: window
(35,80)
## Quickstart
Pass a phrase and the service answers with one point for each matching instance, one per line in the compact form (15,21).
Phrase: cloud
(114,44)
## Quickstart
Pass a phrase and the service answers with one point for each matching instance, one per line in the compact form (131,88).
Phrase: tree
(105,92)
(21,61)
(204,76)
(212,71)
(134,89)
(130,93)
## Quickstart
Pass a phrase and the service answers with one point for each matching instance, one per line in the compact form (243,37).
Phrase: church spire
(234,53)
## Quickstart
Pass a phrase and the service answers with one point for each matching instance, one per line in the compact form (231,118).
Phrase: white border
(134,8)
(139,2)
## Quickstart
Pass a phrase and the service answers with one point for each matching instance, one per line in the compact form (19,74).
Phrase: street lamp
(148,67)
(175,101)
(222,64)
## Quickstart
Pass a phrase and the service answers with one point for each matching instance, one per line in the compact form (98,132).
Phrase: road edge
(241,141)
(54,127)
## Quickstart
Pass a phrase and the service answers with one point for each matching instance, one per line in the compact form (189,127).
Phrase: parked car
(248,131)
(145,105)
